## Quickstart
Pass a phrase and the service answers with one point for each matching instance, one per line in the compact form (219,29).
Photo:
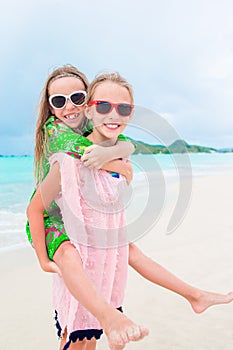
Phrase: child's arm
(96,156)
(61,138)
(108,158)
(35,213)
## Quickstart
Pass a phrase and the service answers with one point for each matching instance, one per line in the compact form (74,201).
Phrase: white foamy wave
(6,215)
(12,229)
(14,246)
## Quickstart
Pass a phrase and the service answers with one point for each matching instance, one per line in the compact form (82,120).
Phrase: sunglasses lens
(58,101)
(103,107)
(124,109)
(78,98)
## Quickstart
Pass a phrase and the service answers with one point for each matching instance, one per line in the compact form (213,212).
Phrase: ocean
(16,184)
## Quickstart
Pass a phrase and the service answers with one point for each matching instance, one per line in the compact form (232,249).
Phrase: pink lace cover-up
(94,219)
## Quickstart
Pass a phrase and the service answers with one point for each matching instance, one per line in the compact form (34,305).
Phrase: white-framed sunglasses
(59,101)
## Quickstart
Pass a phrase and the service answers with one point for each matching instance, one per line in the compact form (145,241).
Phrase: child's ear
(129,118)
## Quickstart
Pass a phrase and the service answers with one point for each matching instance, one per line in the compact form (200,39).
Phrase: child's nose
(69,104)
(114,115)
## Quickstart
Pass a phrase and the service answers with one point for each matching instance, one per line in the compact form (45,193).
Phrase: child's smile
(112,126)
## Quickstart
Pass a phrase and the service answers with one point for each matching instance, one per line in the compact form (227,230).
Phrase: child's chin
(112,134)
(74,124)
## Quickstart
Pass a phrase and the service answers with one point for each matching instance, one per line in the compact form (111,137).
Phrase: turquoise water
(201,163)
(16,184)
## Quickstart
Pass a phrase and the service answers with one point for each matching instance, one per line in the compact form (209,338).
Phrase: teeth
(112,126)
(73,116)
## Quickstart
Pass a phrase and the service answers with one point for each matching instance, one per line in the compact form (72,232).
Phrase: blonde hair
(45,112)
(114,77)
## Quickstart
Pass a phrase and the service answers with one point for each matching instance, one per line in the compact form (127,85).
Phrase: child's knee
(64,251)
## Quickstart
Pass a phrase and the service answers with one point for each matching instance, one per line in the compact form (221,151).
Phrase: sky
(177,54)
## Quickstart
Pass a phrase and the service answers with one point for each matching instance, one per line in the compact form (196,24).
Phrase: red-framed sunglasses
(105,107)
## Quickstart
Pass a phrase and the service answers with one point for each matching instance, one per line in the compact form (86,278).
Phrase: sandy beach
(199,251)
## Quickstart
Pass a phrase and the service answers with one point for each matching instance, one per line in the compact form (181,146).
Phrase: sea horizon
(222,149)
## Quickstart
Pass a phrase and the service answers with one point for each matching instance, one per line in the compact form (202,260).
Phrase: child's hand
(50,266)
(96,156)
(128,172)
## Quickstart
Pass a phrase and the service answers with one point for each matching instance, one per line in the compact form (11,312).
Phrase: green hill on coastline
(179,146)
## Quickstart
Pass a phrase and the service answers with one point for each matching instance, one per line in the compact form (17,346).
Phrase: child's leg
(63,340)
(91,344)
(78,345)
(118,328)
(200,300)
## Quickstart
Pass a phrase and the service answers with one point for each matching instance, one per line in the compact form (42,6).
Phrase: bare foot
(122,330)
(206,299)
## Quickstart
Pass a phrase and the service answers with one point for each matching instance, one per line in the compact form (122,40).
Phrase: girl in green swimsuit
(64,134)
